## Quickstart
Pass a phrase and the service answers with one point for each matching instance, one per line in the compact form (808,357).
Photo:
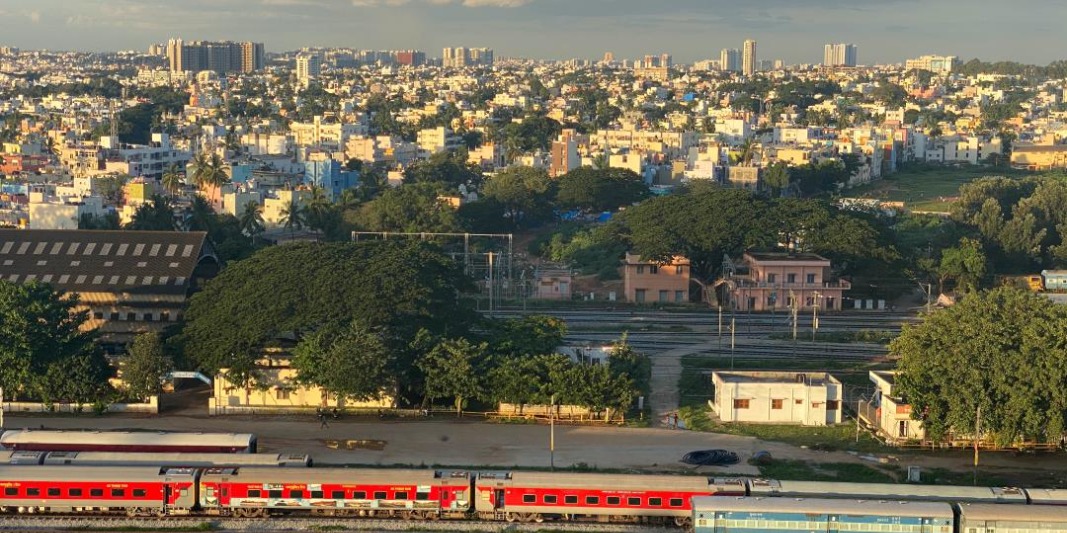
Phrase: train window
(338,494)
(298,494)
(140,493)
(400,495)
(676,502)
(550,498)
(529,498)
(53,491)
(359,495)
(96,493)
(37,492)
(655,502)
(74,492)
(380,495)
(316,494)
(11,491)
(274,494)
(570,500)
(422,496)
(614,500)
(118,493)
(592,500)
(253,493)
(633,501)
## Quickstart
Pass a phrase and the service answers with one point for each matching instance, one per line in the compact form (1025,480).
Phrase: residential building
(308,68)
(744,177)
(274,208)
(21,163)
(328,175)
(935,64)
(805,398)
(552,284)
(326,132)
(565,157)
(748,58)
(276,389)
(888,413)
(1037,157)
(839,55)
(218,56)
(653,282)
(774,279)
(130,281)
(730,60)
(252,57)
(62,213)
(436,140)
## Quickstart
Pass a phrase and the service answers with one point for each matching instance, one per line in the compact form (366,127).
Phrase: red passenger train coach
(64,489)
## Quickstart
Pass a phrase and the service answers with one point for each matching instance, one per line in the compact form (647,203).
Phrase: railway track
(54,523)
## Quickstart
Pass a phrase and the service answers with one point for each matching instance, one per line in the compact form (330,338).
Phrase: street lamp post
(552,434)
(814,314)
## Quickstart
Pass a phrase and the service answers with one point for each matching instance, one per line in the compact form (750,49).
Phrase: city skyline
(690,30)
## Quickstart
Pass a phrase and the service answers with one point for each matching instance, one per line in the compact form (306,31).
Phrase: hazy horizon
(886,31)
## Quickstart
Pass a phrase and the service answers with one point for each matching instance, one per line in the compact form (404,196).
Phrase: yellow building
(1035,157)
(275,390)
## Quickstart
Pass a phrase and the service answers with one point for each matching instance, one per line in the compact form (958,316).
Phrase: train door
(720,522)
(831,524)
(498,499)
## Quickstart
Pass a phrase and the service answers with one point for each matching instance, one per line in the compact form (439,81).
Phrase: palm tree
(293,216)
(201,164)
(216,175)
(172,180)
(600,161)
(252,219)
(200,216)
(349,199)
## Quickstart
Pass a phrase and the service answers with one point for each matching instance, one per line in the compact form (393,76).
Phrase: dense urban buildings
(217,56)
(933,63)
(839,55)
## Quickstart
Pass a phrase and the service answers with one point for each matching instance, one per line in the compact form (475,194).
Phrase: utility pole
(977,438)
(859,401)
(552,435)
(720,326)
(490,284)
(732,330)
(814,314)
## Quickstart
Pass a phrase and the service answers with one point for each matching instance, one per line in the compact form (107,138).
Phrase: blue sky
(793,30)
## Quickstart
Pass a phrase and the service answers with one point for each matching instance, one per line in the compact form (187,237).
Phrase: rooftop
(785,256)
(810,378)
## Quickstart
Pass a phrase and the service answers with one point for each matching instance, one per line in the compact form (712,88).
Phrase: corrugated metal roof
(101,261)
(886,490)
(1028,513)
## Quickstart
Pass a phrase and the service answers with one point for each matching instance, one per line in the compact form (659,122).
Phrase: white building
(839,55)
(327,133)
(935,64)
(806,398)
(436,140)
(888,413)
(308,67)
(62,213)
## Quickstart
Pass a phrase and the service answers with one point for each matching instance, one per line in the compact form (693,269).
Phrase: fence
(150,407)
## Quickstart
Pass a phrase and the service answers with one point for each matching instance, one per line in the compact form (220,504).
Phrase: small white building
(888,412)
(805,398)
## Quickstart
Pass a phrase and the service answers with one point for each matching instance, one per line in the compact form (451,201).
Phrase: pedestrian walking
(323,422)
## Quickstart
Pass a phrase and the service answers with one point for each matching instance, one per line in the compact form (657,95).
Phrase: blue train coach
(724,514)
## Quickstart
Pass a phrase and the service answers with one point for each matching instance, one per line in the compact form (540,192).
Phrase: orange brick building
(773,276)
(652,282)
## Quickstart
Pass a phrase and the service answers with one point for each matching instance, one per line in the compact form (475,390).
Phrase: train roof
(823,506)
(612,481)
(1018,513)
(339,475)
(1048,496)
(123,474)
(21,457)
(175,459)
(886,490)
(146,438)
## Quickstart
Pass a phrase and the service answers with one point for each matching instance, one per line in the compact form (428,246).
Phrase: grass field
(928,187)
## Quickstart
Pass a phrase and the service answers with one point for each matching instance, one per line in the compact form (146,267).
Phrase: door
(902,429)
(498,499)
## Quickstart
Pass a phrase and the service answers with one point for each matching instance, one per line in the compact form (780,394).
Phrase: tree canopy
(1004,351)
(349,361)
(594,190)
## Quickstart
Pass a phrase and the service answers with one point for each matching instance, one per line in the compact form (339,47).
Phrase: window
(131,316)
(164,316)
(771,278)
(298,494)
(676,502)
(114,316)
(653,269)
(422,496)
(655,502)
(529,498)
(679,269)
(11,491)
(639,296)
(274,494)
(338,494)
(663,295)
(140,493)
(679,296)
(777,404)
(790,278)
(148,317)
(633,501)
(614,500)
(99,315)
(359,495)
(96,493)
(550,498)
(833,405)
(282,394)
(592,500)
(53,491)
(74,492)
(570,500)
(816,405)
(253,493)
(640,269)
(799,402)
(380,495)
(740,404)
(811,278)
(117,493)
(810,300)
(400,495)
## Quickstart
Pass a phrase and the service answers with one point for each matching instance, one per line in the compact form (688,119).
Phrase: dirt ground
(445,441)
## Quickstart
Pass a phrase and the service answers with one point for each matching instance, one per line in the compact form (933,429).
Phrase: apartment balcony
(750,284)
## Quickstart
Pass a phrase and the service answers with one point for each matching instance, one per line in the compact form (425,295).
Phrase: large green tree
(41,340)
(401,286)
(145,366)
(349,361)
(452,370)
(594,190)
(1002,353)
(449,169)
(413,207)
(524,192)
